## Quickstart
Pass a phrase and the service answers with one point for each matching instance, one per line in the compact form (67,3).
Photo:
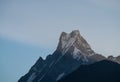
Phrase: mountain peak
(73,40)
(73,34)
(72,51)
(67,40)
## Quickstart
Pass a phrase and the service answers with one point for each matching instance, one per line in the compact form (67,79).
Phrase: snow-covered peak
(68,39)
(72,51)
(73,39)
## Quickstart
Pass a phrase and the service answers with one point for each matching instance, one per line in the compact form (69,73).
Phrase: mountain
(72,51)
(102,71)
(114,59)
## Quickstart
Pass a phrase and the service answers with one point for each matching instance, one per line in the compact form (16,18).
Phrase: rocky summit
(72,52)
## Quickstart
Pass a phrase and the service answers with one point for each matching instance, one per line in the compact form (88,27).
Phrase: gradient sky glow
(31,28)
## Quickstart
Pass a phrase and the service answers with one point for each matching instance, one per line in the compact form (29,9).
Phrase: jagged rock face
(74,39)
(115,59)
(72,51)
(78,47)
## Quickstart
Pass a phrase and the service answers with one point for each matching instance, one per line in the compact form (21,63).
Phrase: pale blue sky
(31,28)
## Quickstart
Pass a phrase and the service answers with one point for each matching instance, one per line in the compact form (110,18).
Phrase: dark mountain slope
(103,71)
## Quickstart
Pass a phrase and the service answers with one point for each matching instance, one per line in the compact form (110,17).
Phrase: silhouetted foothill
(103,71)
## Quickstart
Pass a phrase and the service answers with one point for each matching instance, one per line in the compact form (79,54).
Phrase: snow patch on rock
(60,76)
(32,77)
(51,64)
(76,53)
(67,41)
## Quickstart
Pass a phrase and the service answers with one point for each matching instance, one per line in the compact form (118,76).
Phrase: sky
(31,28)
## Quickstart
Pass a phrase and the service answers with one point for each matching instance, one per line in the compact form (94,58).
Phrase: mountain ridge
(72,51)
